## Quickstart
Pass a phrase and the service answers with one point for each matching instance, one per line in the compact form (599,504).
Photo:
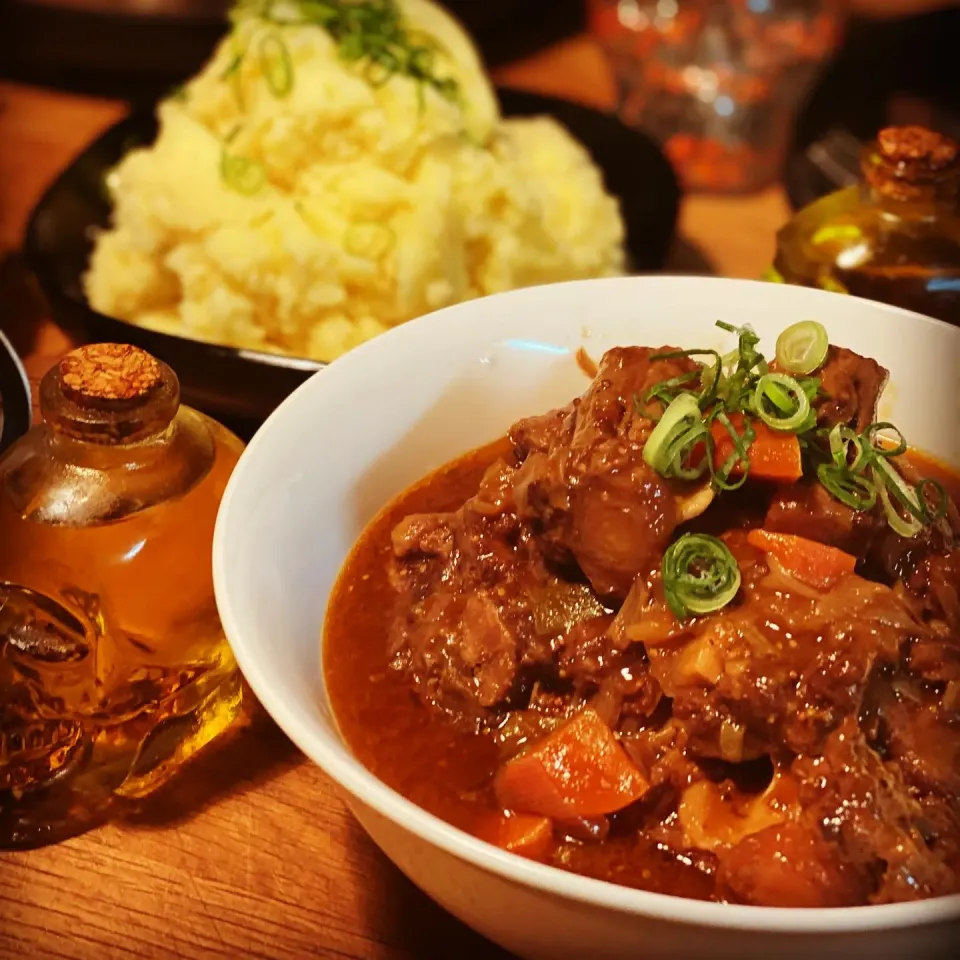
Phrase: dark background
(104,47)
(886,71)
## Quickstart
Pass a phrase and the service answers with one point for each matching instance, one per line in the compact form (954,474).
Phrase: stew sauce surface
(437,766)
(446,769)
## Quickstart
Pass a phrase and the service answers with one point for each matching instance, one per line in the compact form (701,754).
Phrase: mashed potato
(308,213)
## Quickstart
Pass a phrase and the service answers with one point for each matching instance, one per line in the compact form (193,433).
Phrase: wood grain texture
(250,853)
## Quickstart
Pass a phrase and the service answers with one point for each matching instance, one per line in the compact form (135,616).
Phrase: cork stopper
(909,163)
(109,393)
(109,372)
(926,149)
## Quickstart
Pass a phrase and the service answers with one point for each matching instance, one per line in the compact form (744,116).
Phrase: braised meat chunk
(465,621)
(850,389)
(697,631)
(779,670)
(808,510)
(867,810)
(584,486)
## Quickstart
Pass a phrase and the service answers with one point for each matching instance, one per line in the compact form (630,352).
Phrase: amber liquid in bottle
(114,669)
(896,238)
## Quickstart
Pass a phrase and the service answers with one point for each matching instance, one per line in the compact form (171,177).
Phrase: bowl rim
(350,774)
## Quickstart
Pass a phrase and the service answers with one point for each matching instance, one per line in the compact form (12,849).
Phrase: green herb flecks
(370,31)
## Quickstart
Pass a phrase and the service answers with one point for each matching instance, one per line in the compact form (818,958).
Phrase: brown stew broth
(445,770)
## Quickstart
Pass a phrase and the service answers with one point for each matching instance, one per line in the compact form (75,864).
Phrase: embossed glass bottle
(895,238)
(114,669)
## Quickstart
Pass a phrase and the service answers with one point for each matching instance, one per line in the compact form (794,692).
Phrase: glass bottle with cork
(895,238)
(114,669)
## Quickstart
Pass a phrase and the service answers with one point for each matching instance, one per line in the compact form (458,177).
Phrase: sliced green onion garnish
(676,354)
(700,575)
(876,443)
(664,390)
(242,174)
(741,447)
(906,526)
(781,403)
(907,508)
(680,465)
(844,441)
(730,360)
(709,376)
(849,488)
(374,31)
(908,522)
(802,347)
(276,65)
(378,73)
(672,439)
(232,73)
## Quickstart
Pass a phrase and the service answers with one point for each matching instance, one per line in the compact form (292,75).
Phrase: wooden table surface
(250,853)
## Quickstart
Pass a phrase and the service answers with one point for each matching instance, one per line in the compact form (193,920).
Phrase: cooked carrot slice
(813,563)
(773,455)
(578,770)
(520,833)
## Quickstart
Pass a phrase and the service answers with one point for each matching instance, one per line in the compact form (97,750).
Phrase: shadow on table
(252,754)
(22,308)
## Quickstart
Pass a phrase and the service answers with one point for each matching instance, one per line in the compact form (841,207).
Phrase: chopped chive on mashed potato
(338,168)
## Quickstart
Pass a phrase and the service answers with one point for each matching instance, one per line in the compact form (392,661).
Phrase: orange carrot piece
(813,563)
(578,770)
(773,455)
(519,833)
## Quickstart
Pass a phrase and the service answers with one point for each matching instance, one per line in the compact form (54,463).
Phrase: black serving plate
(242,387)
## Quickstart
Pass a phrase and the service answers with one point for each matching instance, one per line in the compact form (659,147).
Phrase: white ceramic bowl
(379,419)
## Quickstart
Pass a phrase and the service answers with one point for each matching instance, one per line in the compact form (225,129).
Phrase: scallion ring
(876,443)
(700,575)
(842,440)
(709,376)
(679,453)
(909,521)
(276,65)
(811,387)
(242,174)
(939,510)
(730,360)
(856,491)
(787,398)
(672,438)
(802,347)
(906,526)
(663,391)
(720,478)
